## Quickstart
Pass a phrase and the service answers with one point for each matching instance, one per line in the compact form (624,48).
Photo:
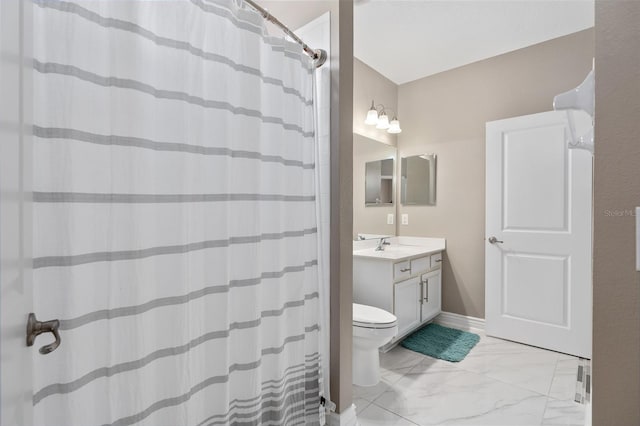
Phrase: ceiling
(407,40)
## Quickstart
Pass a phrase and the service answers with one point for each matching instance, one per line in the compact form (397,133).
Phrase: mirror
(373,163)
(418,180)
(378,182)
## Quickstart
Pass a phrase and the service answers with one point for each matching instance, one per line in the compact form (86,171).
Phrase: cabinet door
(407,304)
(431,295)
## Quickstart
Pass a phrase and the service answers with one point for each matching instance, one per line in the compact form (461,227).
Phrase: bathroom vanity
(404,279)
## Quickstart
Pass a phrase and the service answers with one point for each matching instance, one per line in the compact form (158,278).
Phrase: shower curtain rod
(319,56)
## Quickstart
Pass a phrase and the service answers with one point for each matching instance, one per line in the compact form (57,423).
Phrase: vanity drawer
(401,269)
(420,264)
(436,260)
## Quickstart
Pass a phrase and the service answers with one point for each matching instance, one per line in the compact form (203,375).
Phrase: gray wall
(446,114)
(368,85)
(616,285)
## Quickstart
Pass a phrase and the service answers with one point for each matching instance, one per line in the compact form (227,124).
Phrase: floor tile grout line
(377,397)
(544,412)
(395,414)
(411,367)
(553,377)
(363,408)
(395,381)
(554,422)
(506,383)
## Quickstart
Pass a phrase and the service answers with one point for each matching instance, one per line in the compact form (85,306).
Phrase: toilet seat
(365,316)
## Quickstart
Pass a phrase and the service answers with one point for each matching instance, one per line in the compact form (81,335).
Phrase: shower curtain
(174,210)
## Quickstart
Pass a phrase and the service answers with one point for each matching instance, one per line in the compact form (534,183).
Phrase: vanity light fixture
(377,116)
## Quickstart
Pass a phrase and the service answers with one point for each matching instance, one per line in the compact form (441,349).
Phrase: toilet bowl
(372,328)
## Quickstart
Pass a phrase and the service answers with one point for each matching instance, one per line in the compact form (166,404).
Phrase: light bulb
(383,122)
(394,126)
(372,117)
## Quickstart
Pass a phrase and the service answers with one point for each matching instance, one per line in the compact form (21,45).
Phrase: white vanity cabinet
(403,280)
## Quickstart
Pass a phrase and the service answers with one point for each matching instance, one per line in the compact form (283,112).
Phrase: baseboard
(346,418)
(461,322)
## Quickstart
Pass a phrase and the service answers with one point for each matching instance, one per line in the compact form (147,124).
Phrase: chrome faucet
(381,243)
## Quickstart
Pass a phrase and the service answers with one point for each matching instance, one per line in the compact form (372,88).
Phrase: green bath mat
(441,342)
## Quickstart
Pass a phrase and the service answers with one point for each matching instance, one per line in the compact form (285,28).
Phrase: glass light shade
(394,126)
(383,122)
(372,117)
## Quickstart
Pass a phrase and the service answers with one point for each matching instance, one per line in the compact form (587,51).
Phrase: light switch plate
(405,219)
(638,239)
(390,219)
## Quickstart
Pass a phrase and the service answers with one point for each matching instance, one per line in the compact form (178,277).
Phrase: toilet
(372,328)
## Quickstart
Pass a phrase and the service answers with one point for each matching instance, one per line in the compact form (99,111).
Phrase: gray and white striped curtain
(175,231)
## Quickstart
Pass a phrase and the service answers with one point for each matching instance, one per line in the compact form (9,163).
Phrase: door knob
(36,328)
(494,240)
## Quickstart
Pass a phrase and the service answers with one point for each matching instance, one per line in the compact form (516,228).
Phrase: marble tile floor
(498,383)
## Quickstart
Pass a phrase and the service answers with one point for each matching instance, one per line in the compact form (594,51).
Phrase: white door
(538,210)
(407,304)
(15,237)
